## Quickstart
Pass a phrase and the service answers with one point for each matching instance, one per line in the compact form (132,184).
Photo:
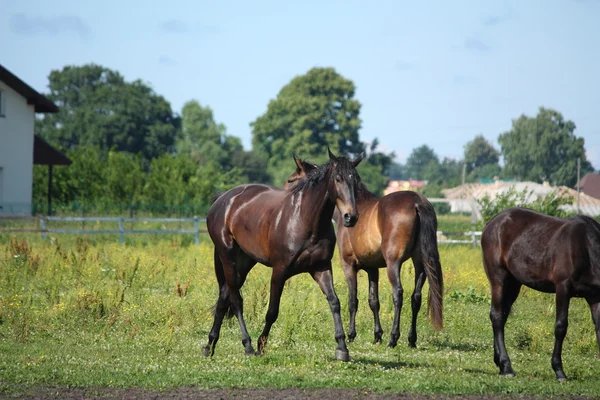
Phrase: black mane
(343,167)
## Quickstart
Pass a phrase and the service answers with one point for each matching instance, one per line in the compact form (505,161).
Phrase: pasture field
(80,313)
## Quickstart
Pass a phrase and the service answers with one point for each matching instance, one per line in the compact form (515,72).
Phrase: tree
(543,148)
(97,107)
(422,163)
(480,152)
(198,131)
(311,112)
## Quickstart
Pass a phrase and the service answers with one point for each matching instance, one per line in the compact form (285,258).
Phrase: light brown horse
(390,230)
(287,230)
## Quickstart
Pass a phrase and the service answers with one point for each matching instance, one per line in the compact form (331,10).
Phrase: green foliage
(549,204)
(122,181)
(441,208)
(543,148)
(98,108)
(311,112)
(470,296)
(422,163)
(479,153)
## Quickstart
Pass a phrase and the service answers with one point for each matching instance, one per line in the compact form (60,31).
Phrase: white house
(18,144)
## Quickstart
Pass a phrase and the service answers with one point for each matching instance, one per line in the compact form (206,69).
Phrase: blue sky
(431,72)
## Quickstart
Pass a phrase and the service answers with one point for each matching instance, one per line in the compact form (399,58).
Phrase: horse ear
(299,166)
(331,156)
(358,159)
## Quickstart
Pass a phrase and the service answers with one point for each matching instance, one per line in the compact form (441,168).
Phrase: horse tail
(216,196)
(223,290)
(427,241)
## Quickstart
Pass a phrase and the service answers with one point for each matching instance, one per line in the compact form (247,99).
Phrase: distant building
(397,185)
(19,147)
(590,184)
(464,198)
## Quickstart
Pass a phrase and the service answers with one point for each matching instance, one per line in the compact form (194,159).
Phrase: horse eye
(291,180)
(338,178)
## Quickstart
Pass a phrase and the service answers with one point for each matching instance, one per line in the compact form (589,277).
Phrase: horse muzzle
(350,220)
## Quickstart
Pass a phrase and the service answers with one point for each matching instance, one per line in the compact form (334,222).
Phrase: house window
(2,103)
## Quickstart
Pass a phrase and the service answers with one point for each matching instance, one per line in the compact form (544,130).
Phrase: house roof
(42,104)
(45,154)
(590,184)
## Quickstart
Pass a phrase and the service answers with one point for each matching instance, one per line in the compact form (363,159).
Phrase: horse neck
(317,202)
(364,200)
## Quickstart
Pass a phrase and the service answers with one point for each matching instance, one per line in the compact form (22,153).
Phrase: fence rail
(44,228)
(121,231)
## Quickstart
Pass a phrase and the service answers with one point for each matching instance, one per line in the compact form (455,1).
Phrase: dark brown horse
(391,230)
(549,254)
(288,230)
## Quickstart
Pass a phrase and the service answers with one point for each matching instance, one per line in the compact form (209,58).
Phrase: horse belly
(534,277)
(368,251)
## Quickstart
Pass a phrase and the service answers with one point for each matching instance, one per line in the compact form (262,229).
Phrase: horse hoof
(508,374)
(412,345)
(562,379)
(342,355)
(350,339)
(206,352)
(252,353)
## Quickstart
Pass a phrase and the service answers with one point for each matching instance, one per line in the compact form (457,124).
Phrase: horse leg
(560,329)
(324,279)
(505,289)
(236,269)
(415,300)
(220,310)
(595,309)
(219,314)
(393,271)
(350,273)
(374,303)
(277,284)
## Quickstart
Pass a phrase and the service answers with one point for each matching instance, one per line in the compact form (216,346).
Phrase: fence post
(473,222)
(121,230)
(196,232)
(43,227)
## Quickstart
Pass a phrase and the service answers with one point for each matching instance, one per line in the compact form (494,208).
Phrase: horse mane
(312,178)
(343,167)
(362,193)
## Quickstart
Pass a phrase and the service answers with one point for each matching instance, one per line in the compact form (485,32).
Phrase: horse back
(244,215)
(540,250)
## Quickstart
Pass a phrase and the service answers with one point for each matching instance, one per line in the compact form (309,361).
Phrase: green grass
(81,314)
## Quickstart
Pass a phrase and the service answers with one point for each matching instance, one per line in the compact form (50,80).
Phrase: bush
(549,204)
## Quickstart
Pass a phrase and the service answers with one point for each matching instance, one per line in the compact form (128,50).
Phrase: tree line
(129,147)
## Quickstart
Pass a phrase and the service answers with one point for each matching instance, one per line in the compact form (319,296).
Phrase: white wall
(16,152)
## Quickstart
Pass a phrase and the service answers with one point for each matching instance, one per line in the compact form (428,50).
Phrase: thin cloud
(177,26)
(173,26)
(492,20)
(166,60)
(473,43)
(464,80)
(403,66)
(26,25)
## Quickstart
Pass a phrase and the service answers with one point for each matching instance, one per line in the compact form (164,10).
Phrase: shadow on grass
(392,364)
(469,347)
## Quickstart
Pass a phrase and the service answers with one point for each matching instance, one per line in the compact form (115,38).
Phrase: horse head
(343,186)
